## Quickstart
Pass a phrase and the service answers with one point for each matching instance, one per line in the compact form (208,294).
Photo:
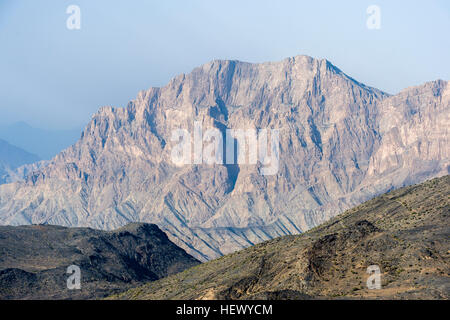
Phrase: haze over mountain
(341,143)
(12,157)
(44,143)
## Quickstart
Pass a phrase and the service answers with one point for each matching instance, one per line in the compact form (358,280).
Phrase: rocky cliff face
(341,143)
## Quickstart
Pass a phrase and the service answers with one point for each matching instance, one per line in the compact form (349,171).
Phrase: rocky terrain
(341,143)
(34,260)
(405,232)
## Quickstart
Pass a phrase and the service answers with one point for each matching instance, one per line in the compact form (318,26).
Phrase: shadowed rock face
(404,232)
(341,143)
(34,260)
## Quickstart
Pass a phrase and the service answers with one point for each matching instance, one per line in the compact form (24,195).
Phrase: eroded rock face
(341,143)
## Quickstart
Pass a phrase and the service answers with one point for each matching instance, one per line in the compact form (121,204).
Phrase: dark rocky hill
(34,260)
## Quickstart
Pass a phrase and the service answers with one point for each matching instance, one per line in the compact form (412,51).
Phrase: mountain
(340,144)
(404,232)
(12,157)
(34,260)
(44,143)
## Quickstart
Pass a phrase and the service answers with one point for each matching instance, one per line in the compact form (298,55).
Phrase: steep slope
(12,157)
(34,260)
(405,232)
(341,143)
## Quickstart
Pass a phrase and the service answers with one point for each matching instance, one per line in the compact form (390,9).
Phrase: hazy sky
(54,77)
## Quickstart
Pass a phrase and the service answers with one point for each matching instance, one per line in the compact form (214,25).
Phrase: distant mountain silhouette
(12,157)
(44,143)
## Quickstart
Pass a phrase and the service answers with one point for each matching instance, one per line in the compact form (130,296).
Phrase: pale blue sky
(57,78)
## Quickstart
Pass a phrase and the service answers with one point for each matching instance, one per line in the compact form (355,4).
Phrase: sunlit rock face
(340,143)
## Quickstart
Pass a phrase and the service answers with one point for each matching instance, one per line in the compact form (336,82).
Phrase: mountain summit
(340,143)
